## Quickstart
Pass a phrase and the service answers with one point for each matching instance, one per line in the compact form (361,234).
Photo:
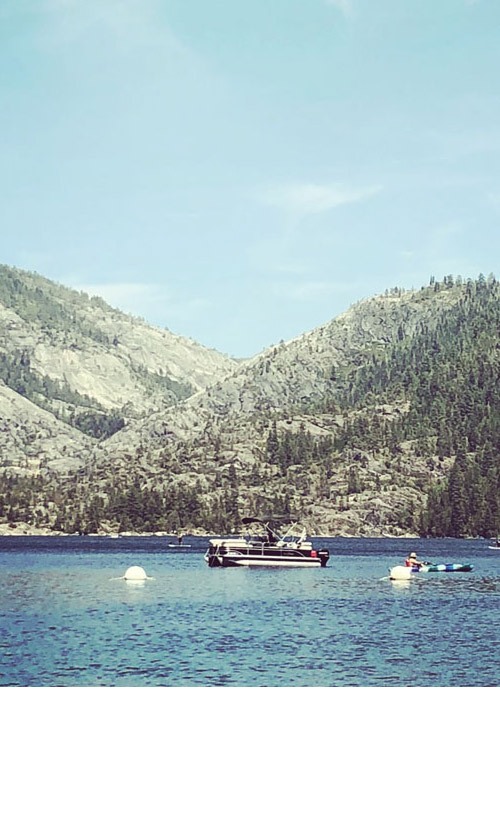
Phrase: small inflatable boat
(451,567)
(403,572)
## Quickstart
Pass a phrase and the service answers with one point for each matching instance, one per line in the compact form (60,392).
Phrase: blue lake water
(66,620)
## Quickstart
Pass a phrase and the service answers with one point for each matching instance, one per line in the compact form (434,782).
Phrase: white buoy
(135,575)
(400,572)
(135,572)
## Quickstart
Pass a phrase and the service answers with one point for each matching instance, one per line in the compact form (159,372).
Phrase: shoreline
(23,529)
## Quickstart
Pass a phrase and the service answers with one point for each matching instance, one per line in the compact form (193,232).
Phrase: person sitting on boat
(412,561)
(271,536)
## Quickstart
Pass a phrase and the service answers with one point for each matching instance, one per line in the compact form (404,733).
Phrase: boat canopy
(275,519)
(273,524)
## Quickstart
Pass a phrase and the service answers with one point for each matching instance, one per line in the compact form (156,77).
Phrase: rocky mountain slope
(115,359)
(350,427)
(318,427)
(302,374)
(88,365)
(31,436)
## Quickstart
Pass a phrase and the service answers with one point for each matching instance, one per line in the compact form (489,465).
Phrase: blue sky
(241,171)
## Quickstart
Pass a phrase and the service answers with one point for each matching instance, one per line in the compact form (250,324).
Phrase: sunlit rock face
(73,370)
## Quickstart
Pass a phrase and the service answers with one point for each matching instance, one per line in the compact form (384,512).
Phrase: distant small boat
(179,544)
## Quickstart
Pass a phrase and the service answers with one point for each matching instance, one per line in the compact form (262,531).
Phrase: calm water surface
(66,620)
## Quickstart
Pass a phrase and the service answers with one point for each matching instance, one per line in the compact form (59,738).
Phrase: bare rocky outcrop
(112,360)
(33,440)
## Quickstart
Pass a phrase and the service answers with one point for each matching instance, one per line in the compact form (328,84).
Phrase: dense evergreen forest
(450,377)
(431,397)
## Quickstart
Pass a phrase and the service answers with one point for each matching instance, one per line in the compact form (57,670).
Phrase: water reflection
(400,583)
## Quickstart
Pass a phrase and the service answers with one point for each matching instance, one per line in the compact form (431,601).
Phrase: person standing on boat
(412,561)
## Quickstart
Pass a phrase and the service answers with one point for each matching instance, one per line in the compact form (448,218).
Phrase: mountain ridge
(353,426)
(74,355)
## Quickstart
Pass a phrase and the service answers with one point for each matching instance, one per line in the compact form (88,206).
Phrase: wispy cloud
(128,22)
(344,6)
(127,296)
(305,199)
(160,305)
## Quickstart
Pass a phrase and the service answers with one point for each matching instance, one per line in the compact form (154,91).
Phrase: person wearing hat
(412,560)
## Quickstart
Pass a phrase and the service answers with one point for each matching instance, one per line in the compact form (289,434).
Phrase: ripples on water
(66,620)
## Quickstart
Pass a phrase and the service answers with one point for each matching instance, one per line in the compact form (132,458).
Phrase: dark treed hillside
(450,377)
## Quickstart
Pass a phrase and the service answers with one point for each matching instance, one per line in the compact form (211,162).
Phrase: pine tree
(272,445)
(456,496)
